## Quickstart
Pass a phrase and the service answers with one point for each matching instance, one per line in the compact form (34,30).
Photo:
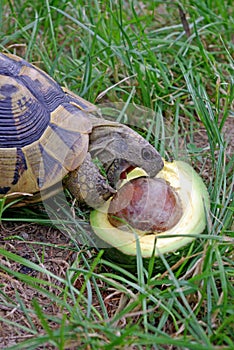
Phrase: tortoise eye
(147,154)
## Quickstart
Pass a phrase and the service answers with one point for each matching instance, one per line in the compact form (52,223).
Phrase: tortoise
(50,135)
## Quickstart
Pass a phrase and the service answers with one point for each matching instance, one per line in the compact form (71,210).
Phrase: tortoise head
(120,149)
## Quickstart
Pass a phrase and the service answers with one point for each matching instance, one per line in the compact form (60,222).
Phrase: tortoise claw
(105,190)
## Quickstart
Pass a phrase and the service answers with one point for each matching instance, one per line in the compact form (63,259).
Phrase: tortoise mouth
(126,171)
(118,170)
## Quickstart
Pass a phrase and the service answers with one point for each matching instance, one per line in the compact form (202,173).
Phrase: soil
(50,249)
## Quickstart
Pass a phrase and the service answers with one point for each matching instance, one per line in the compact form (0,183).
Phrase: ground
(51,249)
(30,241)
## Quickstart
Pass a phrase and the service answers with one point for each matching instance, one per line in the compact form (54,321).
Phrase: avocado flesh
(195,205)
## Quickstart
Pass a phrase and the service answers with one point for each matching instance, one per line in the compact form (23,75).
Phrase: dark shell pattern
(44,129)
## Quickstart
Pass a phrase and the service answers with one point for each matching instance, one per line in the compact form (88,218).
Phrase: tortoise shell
(44,129)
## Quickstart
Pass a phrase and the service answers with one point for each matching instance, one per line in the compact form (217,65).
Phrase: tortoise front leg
(87,185)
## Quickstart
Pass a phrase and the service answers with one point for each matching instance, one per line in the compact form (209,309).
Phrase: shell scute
(44,89)
(10,64)
(20,166)
(22,117)
(44,132)
(4,190)
(50,169)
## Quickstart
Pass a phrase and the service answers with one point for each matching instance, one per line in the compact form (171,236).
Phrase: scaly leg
(87,185)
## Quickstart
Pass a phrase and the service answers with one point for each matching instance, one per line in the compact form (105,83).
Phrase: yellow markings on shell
(7,167)
(76,121)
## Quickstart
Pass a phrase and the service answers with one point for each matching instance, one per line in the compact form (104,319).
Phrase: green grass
(129,52)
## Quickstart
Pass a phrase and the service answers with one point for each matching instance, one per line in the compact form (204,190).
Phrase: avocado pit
(147,204)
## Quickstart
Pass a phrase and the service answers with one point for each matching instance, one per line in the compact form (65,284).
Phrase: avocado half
(195,206)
